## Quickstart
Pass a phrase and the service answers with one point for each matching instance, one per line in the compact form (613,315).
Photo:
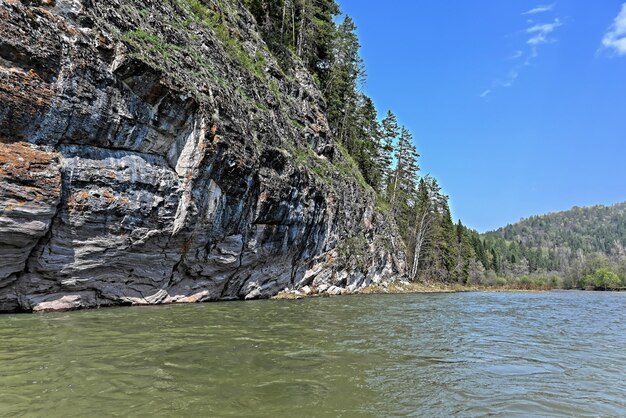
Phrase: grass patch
(354,251)
(349,167)
(296,124)
(150,42)
(382,205)
(344,167)
(215,21)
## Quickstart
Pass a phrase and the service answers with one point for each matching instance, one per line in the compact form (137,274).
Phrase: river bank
(409,287)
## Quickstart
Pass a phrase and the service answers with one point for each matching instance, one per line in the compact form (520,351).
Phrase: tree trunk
(421,232)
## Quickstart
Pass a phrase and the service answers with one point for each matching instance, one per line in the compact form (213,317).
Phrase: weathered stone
(30,190)
(143,162)
(335,290)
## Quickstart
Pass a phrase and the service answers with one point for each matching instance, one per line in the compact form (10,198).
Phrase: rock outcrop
(154,152)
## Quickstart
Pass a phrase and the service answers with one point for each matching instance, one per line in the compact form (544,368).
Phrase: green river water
(468,354)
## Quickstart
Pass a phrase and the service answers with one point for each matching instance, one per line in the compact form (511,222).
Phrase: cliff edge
(154,152)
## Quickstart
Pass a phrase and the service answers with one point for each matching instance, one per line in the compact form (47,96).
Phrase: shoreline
(407,288)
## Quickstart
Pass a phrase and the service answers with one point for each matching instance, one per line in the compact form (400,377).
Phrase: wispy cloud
(541,32)
(615,38)
(540,9)
(510,78)
(538,34)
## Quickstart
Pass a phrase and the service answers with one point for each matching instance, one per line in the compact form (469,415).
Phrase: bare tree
(423,222)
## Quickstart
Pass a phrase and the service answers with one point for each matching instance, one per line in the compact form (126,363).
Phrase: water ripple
(478,354)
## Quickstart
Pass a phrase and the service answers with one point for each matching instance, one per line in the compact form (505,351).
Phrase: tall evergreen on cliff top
(303,27)
(389,133)
(385,153)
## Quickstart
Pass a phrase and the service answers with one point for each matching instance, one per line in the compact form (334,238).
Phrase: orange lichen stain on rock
(103,41)
(186,246)
(22,159)
(28,175)
(24,93)
(109,197)
(83,199)
(77,201)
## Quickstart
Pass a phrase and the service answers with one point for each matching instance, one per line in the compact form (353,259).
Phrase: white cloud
(545,27)
(538,34)
(534,53)
(538,39)
(615,38)
(542,31)
(539,9)
(513,75)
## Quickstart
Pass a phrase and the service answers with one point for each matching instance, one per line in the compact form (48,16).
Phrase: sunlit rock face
(144,161)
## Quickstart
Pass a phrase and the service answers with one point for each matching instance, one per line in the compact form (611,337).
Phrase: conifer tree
(389,134)
(405,173)
(363,141)
(345,75)
(302,27)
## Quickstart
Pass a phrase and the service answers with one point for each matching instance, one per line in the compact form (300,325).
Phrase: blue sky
(517,107)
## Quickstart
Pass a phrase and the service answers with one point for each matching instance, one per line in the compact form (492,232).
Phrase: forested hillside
(574,244)
(590,229)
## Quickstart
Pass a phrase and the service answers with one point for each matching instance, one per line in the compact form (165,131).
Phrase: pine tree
(465,252)
(389,134)
(363,139)
(495,261)
(305,28)
(345,75)
(405,173)
(448,244)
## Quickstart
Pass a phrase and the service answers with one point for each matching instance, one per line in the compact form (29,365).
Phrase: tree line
(579,246)
(327,43)
(438,250)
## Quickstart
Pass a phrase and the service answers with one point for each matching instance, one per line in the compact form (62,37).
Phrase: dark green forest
(582,248)
(578,246)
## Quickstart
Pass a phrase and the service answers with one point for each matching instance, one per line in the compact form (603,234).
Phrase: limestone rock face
(149,154)
(30,186)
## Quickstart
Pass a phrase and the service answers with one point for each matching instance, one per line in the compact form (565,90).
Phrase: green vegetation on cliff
(381,154)
(572,249)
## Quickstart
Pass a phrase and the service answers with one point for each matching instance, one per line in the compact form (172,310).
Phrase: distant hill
(573,244)
(590,229)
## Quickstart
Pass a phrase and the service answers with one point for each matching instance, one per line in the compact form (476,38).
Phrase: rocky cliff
(154,152)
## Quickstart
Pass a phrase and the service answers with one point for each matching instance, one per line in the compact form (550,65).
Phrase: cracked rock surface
(148,156)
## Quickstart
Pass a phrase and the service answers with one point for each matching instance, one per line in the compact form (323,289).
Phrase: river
(464,354)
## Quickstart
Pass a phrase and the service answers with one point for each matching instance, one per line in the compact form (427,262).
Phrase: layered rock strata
(153,152)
